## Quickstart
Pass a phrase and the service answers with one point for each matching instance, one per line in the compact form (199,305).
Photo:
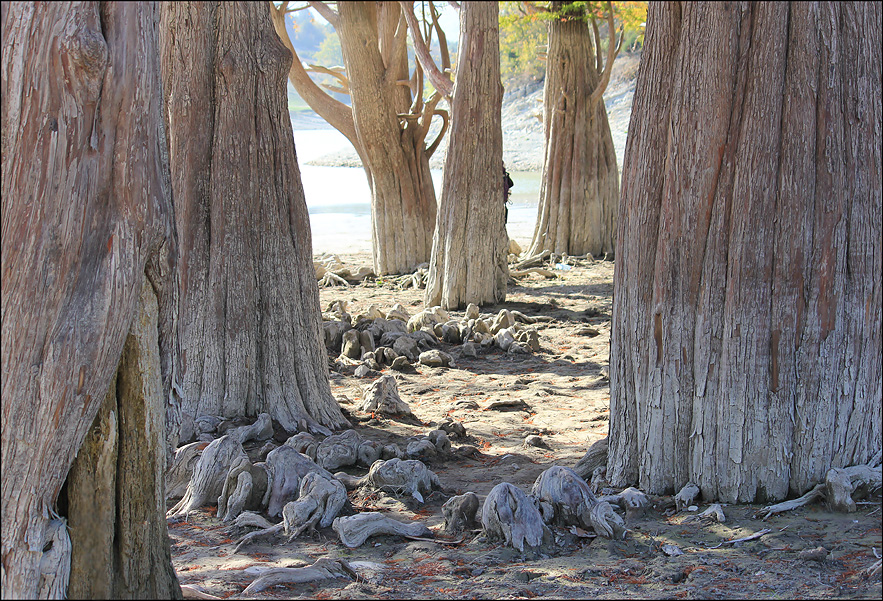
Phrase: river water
(339,200)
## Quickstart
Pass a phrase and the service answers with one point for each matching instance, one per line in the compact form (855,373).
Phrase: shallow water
(339,200)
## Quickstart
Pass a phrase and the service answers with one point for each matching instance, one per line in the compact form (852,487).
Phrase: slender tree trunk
(249,318)
(470,244)
(580,186)
(403,204)
(85,210)
(746,346)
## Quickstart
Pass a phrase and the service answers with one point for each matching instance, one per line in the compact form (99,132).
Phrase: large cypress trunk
(746,346)
(580,185)
(403,204)
(249,318)
(85,210)
(470,244)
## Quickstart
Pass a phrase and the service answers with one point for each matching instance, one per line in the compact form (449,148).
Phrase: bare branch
(599,65)
(612,52)
(327,12)
(336,113)
(456,5)
(336,72)
(442,39)
(429,111)
(441,81)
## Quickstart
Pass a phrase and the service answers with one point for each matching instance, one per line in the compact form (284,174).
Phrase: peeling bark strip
(84,207)
(580,185)
(470,244)
(249,317)
(749,251)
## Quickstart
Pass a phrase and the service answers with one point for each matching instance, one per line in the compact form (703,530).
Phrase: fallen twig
(754,536)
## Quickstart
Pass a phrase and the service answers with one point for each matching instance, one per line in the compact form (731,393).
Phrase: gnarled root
(715,513)
(686,496)
(607,522)
(383,397)
(323,569)
(320,500)
(402,476)
(244,488)
(511,515)
(631,500)
(564,498)
(178,476)
(840,487)
(209,475)
(285,468)
(460,512)
(356,529)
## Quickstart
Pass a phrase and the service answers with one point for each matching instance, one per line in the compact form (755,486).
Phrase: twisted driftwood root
(595,457)
(344,449)
(460,512)
(383,397)
(631,500)
(512,516)
(686,496)
(606,522)
(178,476)
(320,500)
(402,476)
(244,488)
(323,569)
(285,468)
(715,513)
(356,529)
(564,498)
(840,488)
(261,429)
(209,475)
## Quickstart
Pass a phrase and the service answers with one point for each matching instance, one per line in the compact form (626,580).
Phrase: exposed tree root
(323,569)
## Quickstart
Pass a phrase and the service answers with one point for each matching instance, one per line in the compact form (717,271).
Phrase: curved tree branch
(612,52)
(327,12)
(441,81)
(599,59)
(441,134)
(336,113)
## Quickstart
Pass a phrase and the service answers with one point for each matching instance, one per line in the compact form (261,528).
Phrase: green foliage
(524,33)
(523,44)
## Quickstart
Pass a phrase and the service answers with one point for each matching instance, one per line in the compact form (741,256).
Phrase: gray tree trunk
(470,244)
(579,193)
(85,211)
(249,318)
(746,345)
(387,124)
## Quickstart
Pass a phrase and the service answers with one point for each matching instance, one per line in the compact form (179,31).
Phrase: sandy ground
(560,393)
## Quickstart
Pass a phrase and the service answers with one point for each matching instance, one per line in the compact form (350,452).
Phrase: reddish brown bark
(746,346)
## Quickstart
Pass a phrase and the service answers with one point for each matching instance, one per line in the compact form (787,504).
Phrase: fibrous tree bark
(470,243)
(115,489)
(249,318)
(579,192)
(85,214)
(746,345)
(387,124)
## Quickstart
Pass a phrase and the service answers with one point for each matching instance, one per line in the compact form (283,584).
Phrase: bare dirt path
(560,393)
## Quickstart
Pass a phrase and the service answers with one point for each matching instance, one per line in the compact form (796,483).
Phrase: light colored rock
(436,358)
(383,397)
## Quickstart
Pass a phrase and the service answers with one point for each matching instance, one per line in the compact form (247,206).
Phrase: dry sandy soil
(560,393)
